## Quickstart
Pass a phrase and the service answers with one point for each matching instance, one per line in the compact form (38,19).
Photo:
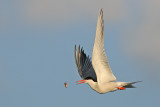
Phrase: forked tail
(130,84)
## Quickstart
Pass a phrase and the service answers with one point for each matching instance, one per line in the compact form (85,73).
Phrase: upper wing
(84,65)
(99,59)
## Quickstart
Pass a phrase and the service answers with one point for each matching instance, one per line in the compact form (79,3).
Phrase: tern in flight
(97,72)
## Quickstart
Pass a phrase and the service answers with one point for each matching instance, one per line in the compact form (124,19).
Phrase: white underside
(106,86)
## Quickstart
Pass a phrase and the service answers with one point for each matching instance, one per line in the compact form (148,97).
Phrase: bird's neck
(92,84)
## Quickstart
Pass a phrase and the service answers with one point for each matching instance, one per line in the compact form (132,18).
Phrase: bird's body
(98,73)
(105,87)
(102,87)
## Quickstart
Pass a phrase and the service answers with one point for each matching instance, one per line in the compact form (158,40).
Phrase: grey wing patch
(84,65)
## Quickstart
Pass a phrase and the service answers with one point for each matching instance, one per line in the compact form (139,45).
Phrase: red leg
(121,88)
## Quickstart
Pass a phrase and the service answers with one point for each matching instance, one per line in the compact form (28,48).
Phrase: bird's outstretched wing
(84,65)
(99,59)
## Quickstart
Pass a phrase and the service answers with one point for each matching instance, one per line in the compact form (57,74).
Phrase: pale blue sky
(37,53)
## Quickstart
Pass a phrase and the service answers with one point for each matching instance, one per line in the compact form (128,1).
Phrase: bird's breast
(106,87)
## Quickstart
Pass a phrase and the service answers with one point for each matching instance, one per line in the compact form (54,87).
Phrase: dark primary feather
(84,65)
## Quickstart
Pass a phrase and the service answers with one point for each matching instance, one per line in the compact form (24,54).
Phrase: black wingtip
(82,49)
(101,11)
(78,48)
(75,51)
(75,47)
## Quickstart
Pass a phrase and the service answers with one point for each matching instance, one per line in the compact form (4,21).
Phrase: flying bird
(97,73)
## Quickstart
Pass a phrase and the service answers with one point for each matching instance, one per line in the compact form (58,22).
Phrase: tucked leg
(121,88)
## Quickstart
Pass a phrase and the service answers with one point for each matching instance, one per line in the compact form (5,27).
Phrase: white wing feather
(99,59)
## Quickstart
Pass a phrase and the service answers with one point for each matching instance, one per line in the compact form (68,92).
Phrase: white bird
(97,73)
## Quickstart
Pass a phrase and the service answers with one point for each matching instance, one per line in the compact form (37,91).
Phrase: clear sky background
(37,39)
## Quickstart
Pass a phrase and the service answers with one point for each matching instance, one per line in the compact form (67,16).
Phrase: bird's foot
(121,88)
(81,81)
